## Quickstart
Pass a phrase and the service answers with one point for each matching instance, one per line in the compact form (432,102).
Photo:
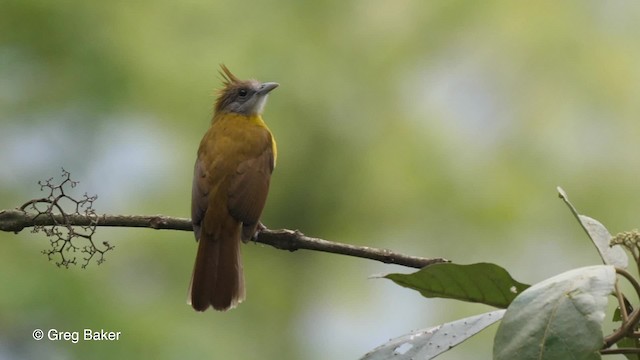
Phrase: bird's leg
(251,232)
(259,227)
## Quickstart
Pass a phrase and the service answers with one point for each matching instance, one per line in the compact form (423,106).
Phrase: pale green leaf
(429,343)
(558,318)
(599,235)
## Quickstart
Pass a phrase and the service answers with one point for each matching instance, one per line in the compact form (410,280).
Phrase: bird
(231,178)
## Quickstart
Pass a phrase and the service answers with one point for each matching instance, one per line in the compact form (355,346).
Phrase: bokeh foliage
(436,128)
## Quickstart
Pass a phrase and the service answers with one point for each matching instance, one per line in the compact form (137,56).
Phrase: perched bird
(230,184)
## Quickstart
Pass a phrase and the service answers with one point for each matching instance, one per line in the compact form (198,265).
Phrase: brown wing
(199,196)
(249,187)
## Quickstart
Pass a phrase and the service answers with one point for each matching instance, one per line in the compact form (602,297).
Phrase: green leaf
(429,343)
(558,318)
(483,283)
(617,314)
(599,235)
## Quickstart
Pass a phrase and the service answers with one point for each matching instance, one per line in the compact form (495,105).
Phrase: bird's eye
(242,92)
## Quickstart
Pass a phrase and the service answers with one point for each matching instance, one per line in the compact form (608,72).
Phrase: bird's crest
(224,95)
(227,76)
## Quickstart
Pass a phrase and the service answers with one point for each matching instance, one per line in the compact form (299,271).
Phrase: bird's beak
(265,88)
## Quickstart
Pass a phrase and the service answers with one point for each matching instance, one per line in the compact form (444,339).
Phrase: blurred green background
(434,128)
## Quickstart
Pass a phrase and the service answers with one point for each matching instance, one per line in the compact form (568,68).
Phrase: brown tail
(218,278)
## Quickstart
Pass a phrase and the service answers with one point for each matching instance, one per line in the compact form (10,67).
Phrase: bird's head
(245,97)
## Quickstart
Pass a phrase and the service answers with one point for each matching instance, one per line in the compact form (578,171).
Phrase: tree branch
(291,240)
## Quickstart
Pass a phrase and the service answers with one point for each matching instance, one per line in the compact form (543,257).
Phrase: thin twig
(631,323)
(620,351)
(291,240)
(621,305)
